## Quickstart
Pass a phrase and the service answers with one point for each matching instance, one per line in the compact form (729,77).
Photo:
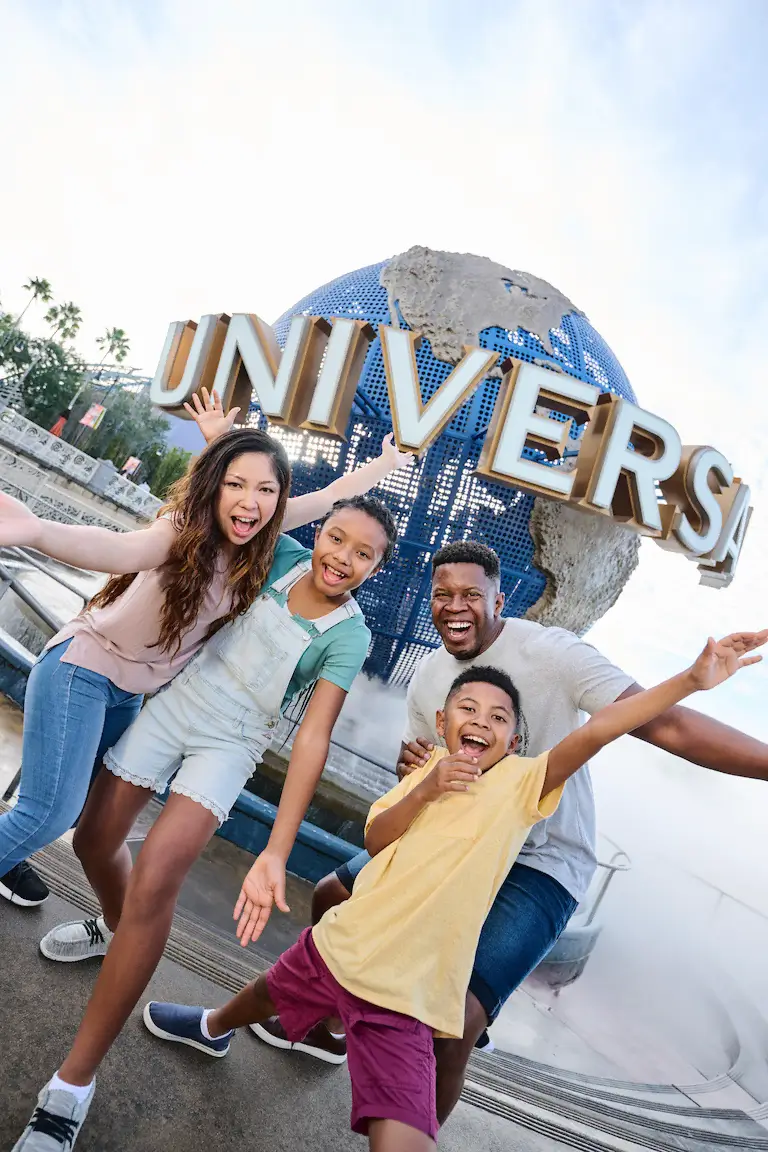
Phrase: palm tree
(65,320)
(115,344)
(39,289)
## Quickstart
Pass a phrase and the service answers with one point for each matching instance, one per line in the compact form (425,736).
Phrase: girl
(205,733)
(200,564)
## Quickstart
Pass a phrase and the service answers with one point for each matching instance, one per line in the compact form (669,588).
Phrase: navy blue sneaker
(182,1024)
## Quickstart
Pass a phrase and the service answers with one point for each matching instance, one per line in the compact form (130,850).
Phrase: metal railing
(12,582)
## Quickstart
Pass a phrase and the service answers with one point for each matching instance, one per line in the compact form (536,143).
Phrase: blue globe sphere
(440,499)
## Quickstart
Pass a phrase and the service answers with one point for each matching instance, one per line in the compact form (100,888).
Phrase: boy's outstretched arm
(717,663)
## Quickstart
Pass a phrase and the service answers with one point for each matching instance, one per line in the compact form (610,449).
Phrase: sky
(167,158)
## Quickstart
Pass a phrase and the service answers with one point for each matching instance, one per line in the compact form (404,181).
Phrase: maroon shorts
(391,1057)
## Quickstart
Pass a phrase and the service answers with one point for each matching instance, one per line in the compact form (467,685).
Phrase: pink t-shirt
(119,641)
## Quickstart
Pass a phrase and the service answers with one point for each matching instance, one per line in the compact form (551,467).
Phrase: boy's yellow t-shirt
(406,938)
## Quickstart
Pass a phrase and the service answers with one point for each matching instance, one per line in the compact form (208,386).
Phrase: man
(558,677)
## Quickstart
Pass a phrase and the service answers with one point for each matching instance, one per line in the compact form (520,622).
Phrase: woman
(204,734)
(199,564)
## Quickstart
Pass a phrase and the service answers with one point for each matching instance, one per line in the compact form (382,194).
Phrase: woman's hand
(210,416)
(263,886)
(392,456)
(18,526)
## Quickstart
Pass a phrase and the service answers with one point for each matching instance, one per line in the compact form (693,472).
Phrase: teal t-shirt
(338,654)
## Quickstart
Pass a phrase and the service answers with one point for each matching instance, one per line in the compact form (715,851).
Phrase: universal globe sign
(511,401)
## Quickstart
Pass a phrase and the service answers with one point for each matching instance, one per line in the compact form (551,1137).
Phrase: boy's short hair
(468,552)
(487,675)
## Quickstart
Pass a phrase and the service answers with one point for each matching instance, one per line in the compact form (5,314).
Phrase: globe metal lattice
(440,498)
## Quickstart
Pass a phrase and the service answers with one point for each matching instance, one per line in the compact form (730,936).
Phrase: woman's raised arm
(83,546)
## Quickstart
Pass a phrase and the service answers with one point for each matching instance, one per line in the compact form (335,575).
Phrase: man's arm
(419,736)
(634,710)
(593,682)
(704,741)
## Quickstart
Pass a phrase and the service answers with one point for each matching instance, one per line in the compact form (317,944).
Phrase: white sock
(338,1035)
(79,1091)
(204,1025)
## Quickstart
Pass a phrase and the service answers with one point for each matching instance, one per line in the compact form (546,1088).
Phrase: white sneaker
(76,940)
(485,1043)
(55,1123)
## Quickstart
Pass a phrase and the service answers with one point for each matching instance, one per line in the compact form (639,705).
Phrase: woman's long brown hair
(191,565)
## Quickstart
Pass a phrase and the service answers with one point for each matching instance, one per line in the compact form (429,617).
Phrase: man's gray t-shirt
(558,677)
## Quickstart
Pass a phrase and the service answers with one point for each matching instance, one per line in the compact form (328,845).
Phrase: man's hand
(209,415)
(451,774)
(413,755)
(18,526)
(721,659)
(263,886)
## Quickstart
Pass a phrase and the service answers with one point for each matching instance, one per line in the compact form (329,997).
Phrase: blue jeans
(530,911)
(71,717)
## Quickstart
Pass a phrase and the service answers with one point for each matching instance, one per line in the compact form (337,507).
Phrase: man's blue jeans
(71,717)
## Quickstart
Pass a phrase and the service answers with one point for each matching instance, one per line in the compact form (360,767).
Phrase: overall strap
(285,583)
(343,612)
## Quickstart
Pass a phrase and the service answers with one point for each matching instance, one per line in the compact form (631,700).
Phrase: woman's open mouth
(243,525)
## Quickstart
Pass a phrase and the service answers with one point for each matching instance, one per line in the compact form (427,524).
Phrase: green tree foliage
(115,345)
(48,374)
(169,468)
(65,320)
(130,427)
(51,378)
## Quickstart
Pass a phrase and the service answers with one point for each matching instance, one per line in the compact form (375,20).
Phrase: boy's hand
(742,642)
(452,774)
(722,658)
(263,886)
(413,755)
(209,415)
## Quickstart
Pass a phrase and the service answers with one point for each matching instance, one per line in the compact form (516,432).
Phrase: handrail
(8,580)
(365,756)
(610,870)
(26,555)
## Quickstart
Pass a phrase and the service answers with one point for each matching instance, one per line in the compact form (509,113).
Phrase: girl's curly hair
(191,565)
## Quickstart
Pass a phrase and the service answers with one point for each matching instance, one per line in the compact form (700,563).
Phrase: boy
(394,961)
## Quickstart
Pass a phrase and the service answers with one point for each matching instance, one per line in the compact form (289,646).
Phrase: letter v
(416,425)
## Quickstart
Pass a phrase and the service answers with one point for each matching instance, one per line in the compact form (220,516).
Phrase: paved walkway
(153,1098)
